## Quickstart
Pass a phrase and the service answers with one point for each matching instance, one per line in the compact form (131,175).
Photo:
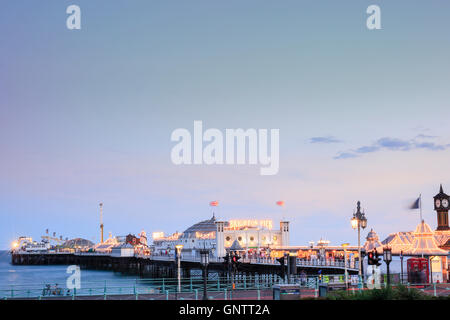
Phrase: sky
(86,115)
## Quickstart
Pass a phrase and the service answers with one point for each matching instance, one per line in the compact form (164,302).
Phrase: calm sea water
(31,280)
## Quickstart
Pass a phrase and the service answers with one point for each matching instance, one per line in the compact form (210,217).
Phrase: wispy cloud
(393,144)
(328,139)
(425,136)
(345,155)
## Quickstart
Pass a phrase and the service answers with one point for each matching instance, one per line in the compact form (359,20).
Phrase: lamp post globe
(387,254)
(363,221)
(354,222)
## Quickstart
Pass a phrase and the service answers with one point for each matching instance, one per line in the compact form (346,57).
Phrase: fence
(238,287)
(166,287)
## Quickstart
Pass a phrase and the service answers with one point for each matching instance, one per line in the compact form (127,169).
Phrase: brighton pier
(253,249)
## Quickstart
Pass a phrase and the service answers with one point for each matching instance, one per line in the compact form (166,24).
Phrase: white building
(251,234)
(123,250)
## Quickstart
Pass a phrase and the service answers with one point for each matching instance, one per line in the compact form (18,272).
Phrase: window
(239,239)
(252,238)
(228,238)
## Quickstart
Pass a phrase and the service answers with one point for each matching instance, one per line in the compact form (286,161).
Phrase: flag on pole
(416,204)
(214,203)
(280,203)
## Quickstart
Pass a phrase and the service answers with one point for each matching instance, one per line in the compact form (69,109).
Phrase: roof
(103,246)
(124,246)
(423,229)
(373,241)
(442,237)
(77,242)
(236,246)
(204,226)
(441,194)
(422,241)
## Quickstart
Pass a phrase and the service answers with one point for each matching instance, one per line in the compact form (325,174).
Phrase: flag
(416,204)
(214,203)
(280,203)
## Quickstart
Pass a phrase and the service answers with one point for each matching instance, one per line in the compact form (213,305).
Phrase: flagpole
(420,206)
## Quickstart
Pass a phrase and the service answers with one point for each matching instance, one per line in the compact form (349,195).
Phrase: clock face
(438,203)
(445,203)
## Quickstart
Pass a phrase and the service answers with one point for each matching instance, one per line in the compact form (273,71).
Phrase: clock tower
(441,205)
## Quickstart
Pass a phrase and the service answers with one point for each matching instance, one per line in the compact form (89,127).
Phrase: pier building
(253,235)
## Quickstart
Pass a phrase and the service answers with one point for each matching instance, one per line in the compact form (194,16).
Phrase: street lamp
(345,245)
(401,265)
(204,254)
(387,257)
(179,247)
(359,221)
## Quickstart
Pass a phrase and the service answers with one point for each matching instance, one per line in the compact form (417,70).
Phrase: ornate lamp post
(204,253)
(387,257)
(359,221)
(179,247)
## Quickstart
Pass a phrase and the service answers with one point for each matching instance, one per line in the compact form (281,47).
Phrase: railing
(351,265)
(157,286)
(167,287)
(232,287)
(328,263)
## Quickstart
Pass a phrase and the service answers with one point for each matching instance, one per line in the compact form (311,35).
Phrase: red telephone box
(418,270)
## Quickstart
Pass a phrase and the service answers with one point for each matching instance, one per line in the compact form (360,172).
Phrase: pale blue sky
(86,116)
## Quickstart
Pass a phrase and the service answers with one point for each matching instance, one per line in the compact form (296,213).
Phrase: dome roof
(372,236)
(373,242)
(204,226)
(77,242)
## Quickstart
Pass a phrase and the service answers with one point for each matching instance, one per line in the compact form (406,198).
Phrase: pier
(165,266)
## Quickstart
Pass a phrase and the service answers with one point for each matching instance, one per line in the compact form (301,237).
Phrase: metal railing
(155,286)
(351,264)
(238,286)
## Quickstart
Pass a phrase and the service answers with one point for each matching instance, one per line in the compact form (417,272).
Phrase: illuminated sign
(157,235)
(160,236)
(242,224)
(203,235)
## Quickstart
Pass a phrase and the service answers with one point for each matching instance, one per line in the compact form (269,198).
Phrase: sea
(35,281)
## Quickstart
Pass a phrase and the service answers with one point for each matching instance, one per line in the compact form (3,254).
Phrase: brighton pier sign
(242,224)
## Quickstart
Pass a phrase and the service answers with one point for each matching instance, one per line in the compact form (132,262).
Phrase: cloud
(393,144)
(367,149)
(328,139)
(430,146)
(345,155)
(425,136)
